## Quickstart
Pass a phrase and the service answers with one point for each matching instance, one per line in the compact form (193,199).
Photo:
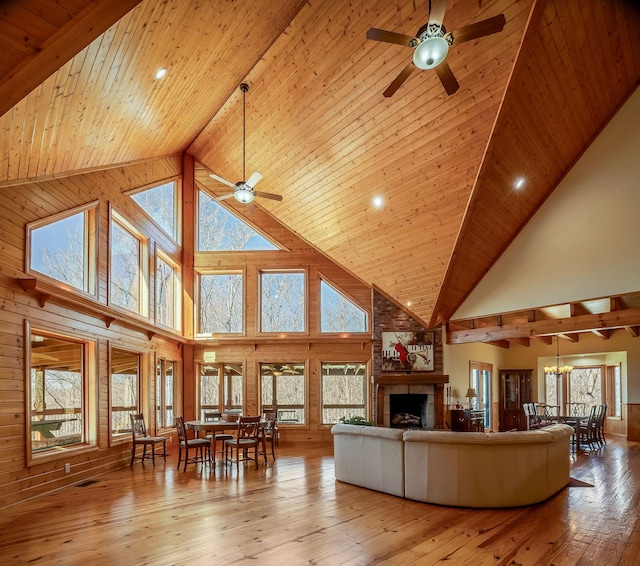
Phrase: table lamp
(471,394)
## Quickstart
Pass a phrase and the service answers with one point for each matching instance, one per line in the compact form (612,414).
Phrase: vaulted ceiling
(78,93)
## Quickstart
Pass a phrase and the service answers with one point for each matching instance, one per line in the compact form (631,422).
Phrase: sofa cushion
(369,456)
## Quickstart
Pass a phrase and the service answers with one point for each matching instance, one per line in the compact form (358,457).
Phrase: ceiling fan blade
(253,179)
(224,197)
(445,74)
(389,36)
(436,11)
(268,195)
(250,207)
(397,83)
(221,180)
(479,29)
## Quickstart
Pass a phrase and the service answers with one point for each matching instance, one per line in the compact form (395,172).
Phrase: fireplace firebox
(408,410)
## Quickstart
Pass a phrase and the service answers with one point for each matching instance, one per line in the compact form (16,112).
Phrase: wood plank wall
(22,204)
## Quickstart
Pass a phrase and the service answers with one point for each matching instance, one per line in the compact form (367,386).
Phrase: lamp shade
(243,195)
(430,53)
(471,393)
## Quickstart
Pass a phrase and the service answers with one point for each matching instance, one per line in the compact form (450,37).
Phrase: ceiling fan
(431,45)
(243,191)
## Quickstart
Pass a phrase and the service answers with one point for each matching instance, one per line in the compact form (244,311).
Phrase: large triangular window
(339,314)
(221,231)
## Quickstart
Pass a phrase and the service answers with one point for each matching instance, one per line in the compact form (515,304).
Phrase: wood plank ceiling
(318,127)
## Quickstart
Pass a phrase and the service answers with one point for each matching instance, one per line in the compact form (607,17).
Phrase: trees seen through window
(64,248)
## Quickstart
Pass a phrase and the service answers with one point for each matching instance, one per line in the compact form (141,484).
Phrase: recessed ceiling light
(519,183)
(161,73)
(408,303)
(377,202)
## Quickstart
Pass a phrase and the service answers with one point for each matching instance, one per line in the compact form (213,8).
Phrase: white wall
(583,242)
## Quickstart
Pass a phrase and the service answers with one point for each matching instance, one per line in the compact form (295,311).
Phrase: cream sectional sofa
(465,469)
(370,456)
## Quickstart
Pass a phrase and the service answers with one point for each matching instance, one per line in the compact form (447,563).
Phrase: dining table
(222,426)
(574,421)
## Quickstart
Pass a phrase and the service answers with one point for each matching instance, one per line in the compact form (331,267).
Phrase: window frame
(305,296)
(197,244)
(243,298)
(160,394)
(143,266)
(278,406)
(90,247)
(366,392)
(613,381)
(89,408)
(124,434)
(224,401)
(323,281)
(177,206)
(177,290)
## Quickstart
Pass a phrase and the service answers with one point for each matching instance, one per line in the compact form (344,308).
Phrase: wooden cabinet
(463,420)
(515,389)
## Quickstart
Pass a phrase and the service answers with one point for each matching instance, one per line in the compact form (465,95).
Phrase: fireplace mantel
(410,379)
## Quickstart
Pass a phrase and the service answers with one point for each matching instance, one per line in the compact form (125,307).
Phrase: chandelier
(558,369)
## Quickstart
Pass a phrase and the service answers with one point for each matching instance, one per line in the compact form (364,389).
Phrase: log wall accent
(26,301)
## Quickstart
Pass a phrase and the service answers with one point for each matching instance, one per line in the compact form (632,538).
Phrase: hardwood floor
(294,512)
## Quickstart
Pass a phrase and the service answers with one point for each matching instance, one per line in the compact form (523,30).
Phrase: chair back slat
(182,431)
(137,425)
(249,427)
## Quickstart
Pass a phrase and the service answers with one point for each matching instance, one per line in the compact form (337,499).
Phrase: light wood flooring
(294,512)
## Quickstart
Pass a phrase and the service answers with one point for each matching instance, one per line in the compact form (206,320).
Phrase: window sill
(45,292)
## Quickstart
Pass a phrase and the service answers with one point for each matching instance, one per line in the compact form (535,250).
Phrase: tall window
(160,203)
(283,390)
(125,379)
(220,387)
(64,249)
(553,385)
(59,391)
(339,314)
(167,293)
(221,303)
(344,391)
(128,273)
(219,230)
(585,386)
(614,391)
(283,301)
(165,386)
(480,380)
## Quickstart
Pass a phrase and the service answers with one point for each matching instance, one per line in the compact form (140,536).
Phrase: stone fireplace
(410,401)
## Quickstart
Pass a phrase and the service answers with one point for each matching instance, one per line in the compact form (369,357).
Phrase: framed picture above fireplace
(408,351)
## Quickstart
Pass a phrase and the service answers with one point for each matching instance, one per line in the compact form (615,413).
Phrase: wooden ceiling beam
(60,48)
(604,334)
(566,326)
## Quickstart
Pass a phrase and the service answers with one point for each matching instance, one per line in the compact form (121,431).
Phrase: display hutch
(515,389)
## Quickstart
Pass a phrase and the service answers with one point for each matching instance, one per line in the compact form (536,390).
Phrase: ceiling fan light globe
(243,195)
(430,53)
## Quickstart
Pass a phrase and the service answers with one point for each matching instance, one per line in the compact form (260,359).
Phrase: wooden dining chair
(248,436)
(270,430)
(200,446)
(214,438)
(588,429)
(575,409)
(141,438)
